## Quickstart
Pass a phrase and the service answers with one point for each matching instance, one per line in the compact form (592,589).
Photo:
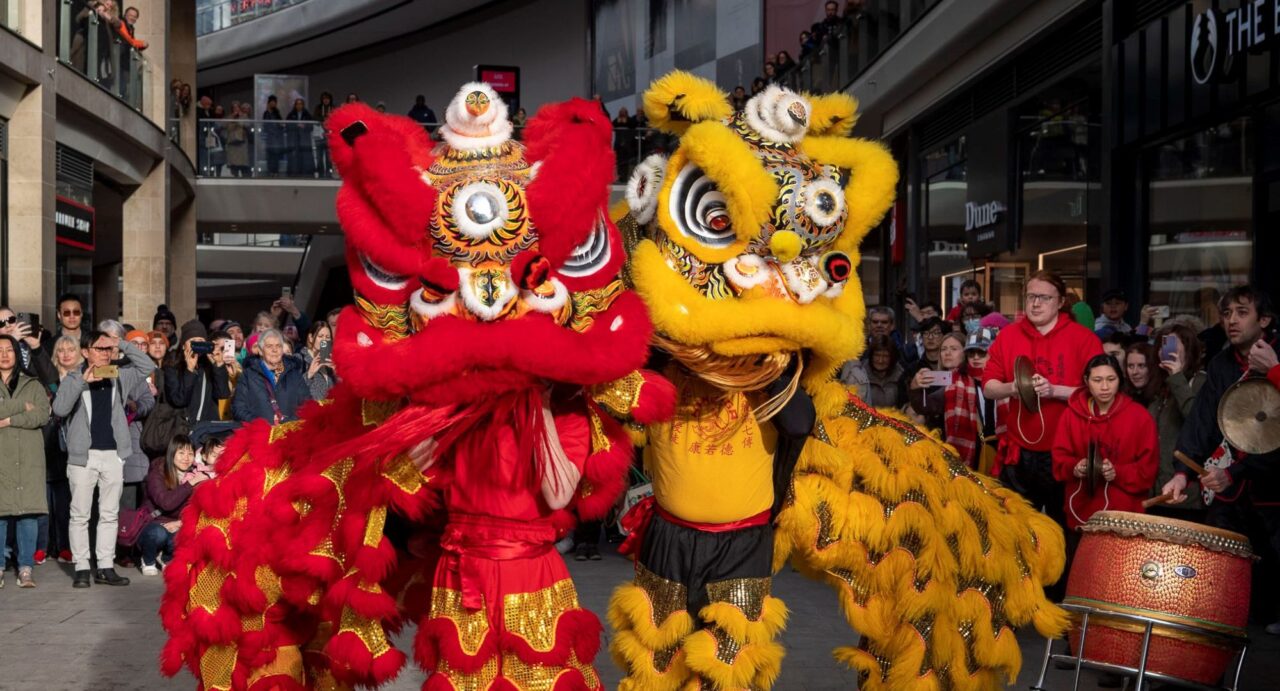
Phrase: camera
(201,347)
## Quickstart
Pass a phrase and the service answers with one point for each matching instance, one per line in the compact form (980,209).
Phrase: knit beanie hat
(192,329)
(163,313)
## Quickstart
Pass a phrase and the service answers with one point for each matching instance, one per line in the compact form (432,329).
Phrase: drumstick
(1156,500)
(1185,460)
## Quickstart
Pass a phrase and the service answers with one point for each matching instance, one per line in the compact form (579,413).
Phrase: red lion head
(486,265)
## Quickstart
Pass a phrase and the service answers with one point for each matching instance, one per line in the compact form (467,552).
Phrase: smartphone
(1168,347)
(940,377)
(201,347)
(1162,312)
(106,372)
(229,349)
(325,351)
(286,292)
(31,319)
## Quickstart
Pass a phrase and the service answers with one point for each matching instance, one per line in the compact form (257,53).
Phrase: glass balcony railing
(11,15)
(216,15)
(851,43)
(93,40)
(298,149)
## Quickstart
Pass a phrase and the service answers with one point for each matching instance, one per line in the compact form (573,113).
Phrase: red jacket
(1126,436)
(1059,356)
(1274,376)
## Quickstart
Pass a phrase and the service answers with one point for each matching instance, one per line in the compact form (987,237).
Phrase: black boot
(109,577)
(81,580)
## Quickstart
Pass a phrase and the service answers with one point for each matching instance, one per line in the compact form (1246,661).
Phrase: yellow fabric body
(712,463)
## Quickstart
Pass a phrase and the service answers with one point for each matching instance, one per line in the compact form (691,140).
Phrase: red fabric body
(1273,375)
(1059,356)
(1126,435)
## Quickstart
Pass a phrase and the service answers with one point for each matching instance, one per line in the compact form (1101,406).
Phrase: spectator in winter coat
(273,386)
(878,376)
(54,532)
(24,408)
(320,374)
(973,423)
(198,381)
(926,396)
(1125,437)
(169,486)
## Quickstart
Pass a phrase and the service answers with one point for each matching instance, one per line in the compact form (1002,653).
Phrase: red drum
(1167,570)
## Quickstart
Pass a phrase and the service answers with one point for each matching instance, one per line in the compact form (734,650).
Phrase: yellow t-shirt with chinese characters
(713,462)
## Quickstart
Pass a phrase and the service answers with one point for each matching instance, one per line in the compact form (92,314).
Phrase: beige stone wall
(31,203)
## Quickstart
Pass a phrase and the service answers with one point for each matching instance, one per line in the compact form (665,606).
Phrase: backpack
(159,428)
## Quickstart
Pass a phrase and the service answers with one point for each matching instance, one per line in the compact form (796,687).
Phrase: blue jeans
(26,536)
(154,541)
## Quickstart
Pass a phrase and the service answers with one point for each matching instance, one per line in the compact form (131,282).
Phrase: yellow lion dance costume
(743,245)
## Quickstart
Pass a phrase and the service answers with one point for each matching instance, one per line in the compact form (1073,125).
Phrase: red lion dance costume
(490,335)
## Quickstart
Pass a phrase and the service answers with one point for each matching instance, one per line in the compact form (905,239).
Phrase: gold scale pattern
(534,616)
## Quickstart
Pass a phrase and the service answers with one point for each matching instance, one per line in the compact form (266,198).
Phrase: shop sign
(1218,37)
(981,217)
(74,223)
(987,227)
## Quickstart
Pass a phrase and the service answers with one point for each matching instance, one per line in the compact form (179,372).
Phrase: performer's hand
(1080,468)
(1175,489)
(1044,389)
(1216,479)
(1108,471)
(1262,357)
(424,455)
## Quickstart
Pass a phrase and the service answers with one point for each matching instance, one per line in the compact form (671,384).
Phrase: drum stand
(1141,673)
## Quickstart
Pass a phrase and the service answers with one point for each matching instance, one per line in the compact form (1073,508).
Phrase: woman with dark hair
(297,140)
(170,482)
(1143,378)
(318,360)
(24,408)
(884,373)
(783,64)
(757,85)
(926,393)
(1181,375)
(1122,434)
(323,109)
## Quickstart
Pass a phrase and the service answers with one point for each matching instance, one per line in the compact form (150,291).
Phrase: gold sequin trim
(860,590)
(216,666)
(273,476)
(287,663)
(374,413)
(373,529)
(223,525)
(206,593)
(367,630)
(461,681)
(620,396)
(283,430)
(665,597)
(533,616)
(727,647)
(588,303)
(747,594)
(599,439)
(323,680)
(826,526)
(820,431)
(391,320)
(867,419)
(662,659)
(472,626)
(535,677)
(402,473)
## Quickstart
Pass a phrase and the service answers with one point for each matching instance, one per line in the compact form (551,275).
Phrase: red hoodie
(1059,356)
(1126,436)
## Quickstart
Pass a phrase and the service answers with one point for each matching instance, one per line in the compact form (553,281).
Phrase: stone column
(181,47)
(152,27)
(146,246)
(32,249)
(182,261)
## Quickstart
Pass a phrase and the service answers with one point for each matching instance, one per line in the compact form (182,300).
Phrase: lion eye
(699,208)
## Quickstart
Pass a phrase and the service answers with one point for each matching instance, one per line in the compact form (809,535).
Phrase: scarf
(962,422)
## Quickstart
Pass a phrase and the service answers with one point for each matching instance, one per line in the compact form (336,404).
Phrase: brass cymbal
(1023,371)
(1249,416)
(1093,468)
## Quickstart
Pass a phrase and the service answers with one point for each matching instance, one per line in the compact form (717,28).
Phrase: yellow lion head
(749,231)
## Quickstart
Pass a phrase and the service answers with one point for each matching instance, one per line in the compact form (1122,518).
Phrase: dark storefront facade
(1093,151)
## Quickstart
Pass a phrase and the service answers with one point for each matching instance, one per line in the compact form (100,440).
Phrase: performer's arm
(794,424)
(1200,434)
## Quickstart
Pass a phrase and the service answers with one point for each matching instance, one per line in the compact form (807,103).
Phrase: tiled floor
(103,638)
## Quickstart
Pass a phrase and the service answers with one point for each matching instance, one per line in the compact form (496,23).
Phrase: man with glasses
(70,317)
(98,441)
(1058,348)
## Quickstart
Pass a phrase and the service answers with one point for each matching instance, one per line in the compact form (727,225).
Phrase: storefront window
(946,190)
(1199,218)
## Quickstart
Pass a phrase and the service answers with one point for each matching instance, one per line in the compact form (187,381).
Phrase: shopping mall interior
(172,157)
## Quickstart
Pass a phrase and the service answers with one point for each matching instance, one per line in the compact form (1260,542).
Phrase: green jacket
(1169,412)
(22,480)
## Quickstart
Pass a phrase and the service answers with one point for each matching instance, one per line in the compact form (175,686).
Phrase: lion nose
(488,293)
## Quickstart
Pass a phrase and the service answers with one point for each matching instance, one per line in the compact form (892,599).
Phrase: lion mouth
(380,276)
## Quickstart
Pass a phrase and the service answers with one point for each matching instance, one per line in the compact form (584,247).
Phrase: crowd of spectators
(105,432)
(1137,392)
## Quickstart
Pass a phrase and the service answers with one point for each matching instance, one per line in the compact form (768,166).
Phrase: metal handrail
(224,14)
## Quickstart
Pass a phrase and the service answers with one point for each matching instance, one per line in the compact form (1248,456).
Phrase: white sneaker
(150,570)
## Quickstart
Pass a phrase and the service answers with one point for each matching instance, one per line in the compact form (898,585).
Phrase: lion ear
(832,115)
(680,99)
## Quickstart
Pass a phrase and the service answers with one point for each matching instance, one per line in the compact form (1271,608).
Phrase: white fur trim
(473,303)
(548,305)
(811,192)
(381,277)
(650,172)
(798,274)
(474,229)
(431,310)
(762,274)
(835,291)
(465,131)
(767,114)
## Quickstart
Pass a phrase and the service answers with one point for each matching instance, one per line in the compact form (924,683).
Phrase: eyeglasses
(933,332)
(104,349)
(1033,298)
(71,313)
(11,319)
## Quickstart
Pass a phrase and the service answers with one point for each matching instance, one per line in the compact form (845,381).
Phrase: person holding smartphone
(33,360)
(926,389)
(199,380)
(317,354)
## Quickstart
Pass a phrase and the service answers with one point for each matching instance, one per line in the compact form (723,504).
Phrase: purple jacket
(169,502)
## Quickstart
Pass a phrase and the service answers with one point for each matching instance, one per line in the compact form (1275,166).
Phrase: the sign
(505,80)
(988,229)
(1219,37)
(981,216)
(74,223)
